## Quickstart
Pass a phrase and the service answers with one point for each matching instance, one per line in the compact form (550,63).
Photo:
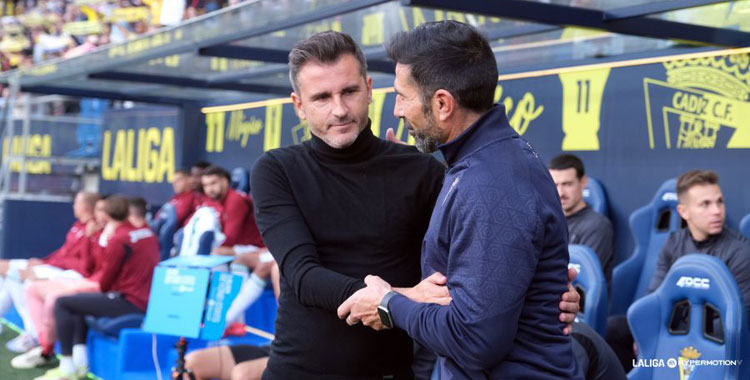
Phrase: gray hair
(324,47)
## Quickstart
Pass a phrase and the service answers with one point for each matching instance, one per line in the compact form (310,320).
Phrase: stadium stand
(36,31)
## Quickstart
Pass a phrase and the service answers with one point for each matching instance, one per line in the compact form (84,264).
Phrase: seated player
(131,254)
(69,261)
(701,205)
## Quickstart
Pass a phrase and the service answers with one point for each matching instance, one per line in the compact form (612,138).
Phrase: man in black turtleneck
(339,207)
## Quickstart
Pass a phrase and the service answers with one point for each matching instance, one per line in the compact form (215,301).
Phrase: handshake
(362,306)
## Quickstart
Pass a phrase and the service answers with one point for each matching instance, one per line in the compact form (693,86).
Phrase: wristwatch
(383,312)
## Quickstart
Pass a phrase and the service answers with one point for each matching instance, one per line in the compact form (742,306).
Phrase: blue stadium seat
(241,180)
(697,313)
(745,226)
(591,284)
(177,241)
(262,313)
(130,356)
(595,197)
(650,226)
(164,226)
(205,242)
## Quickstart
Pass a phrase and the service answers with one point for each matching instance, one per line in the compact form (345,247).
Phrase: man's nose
(339,107)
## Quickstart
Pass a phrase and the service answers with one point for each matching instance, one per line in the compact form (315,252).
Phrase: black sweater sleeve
(290,241)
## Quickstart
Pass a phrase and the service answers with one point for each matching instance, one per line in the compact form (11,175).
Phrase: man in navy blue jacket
(497,230)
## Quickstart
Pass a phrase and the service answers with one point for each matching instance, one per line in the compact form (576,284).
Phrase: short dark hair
(138,205)
(694,178)
(117,207)
(449,55)
(567,161)
(182,171)
(201,164)
(217,171)
(324,47)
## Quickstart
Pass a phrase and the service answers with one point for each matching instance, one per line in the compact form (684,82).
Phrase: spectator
(585,226)
(41,36)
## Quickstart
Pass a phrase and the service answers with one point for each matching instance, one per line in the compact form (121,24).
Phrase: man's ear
(297,101)
(368,83)
(443,105)
(682,210)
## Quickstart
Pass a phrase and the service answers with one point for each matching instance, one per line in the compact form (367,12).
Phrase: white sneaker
(22,343)
(57,374)
(31,359)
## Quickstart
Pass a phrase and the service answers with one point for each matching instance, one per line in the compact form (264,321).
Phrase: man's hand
(362,306)
(432,289)
(250,259)
(223,251)
(263,270)
(34,262)
(391,136)
(569,304)
(92,227)
(26,274)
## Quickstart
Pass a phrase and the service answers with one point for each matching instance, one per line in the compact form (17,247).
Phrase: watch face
(385,317)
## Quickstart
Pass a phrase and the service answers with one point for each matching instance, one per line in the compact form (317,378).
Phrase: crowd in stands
(32,31)
(105,266)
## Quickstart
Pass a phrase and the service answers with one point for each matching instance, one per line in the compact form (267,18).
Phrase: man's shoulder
(287,152)
(291,156)
(235,197)
(679,235)
(77,227)
(675,240)
(408,152)
(595,220)
(736,241)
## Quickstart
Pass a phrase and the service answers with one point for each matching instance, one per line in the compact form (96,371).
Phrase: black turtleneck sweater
(330,217)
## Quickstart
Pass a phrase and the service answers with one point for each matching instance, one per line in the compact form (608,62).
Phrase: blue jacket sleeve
(494,249)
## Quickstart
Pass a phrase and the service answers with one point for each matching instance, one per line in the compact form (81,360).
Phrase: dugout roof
(241,52)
